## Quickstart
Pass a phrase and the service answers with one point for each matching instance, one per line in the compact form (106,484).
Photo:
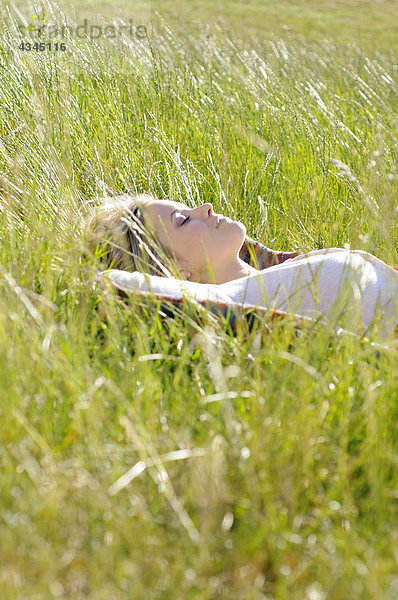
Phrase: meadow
(145,456)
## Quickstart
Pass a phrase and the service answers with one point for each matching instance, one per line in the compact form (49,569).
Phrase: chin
(240,228)
(239,232)
(243,228)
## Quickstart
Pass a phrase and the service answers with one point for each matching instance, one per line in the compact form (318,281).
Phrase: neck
(235,270)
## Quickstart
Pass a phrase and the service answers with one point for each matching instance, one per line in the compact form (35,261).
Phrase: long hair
(120,238)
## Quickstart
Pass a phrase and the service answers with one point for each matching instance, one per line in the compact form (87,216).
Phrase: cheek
(193,241)
(195,233)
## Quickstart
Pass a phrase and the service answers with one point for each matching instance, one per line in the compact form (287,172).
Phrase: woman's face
(197,236)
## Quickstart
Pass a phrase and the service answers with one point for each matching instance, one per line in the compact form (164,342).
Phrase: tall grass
(150,457)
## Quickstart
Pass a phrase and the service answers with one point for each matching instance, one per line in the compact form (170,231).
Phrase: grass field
(146,457)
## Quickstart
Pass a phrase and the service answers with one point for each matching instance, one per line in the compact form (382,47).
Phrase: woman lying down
(171,249)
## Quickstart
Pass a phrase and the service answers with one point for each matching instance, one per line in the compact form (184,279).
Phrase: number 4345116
(42,46)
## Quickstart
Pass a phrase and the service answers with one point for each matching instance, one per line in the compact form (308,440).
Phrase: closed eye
(187,219)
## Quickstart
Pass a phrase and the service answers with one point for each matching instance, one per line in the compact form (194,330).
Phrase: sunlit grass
(150,457)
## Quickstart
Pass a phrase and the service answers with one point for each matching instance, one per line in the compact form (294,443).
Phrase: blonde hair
(117,233)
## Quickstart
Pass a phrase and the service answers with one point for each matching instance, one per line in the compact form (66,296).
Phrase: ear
(185,274)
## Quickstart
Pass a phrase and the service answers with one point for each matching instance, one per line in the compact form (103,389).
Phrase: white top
(346,287)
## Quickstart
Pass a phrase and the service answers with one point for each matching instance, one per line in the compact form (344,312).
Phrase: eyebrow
(172,213)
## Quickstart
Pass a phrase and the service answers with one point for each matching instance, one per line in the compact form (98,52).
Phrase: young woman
(137,237)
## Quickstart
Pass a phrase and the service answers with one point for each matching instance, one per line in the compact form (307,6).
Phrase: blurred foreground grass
(146,457)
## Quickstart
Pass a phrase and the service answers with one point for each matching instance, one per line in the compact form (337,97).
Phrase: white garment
(347,287)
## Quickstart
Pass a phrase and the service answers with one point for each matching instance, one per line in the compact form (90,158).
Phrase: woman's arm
(167,286)
(170,292)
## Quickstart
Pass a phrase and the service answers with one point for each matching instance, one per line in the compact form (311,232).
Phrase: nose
(205,210)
